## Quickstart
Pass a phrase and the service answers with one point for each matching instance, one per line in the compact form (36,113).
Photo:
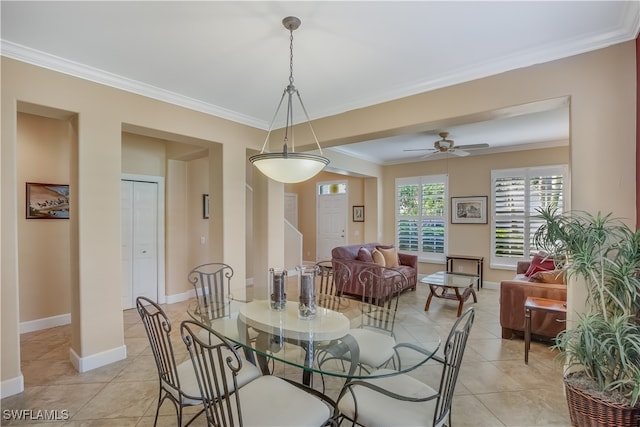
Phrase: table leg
(527,334)
(428,303)
(460,299)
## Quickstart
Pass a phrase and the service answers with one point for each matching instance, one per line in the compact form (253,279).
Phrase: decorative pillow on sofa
(390,256)
(540,263)
(378,258)
(364,255)
(550,276)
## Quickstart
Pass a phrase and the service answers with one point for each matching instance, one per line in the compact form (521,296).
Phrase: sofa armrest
(409,260)
(522,267)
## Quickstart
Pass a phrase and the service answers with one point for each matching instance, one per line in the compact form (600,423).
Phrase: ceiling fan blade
(471,146)
(459,153)
(418,149)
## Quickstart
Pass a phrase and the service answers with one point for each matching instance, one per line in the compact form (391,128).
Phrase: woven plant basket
(587,410)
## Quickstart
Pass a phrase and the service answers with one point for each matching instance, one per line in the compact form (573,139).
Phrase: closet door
(139,241)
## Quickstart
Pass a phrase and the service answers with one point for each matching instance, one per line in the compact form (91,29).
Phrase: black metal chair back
(210,352)
(212,284)
(331,278)
(380,297)
(158,328)
(453,353)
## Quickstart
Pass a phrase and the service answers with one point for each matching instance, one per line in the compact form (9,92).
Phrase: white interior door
(139,241)
(332,224)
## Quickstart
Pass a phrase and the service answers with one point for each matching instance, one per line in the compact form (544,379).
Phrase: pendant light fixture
(289,166)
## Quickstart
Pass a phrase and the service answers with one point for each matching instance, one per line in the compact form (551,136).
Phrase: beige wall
(44,244)
(307,208)
(143,155)
(601,86)
(469,176)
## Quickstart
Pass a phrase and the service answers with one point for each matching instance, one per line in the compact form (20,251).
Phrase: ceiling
(231,59)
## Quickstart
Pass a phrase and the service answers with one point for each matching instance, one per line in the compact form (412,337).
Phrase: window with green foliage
(421,216)
(516,196)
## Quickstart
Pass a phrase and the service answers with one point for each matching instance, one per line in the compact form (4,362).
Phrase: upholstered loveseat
(513,294)
(361,256)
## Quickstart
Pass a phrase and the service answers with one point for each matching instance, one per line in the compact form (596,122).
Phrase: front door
(332,224)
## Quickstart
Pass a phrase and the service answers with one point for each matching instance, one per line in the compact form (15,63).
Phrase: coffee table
(453,286)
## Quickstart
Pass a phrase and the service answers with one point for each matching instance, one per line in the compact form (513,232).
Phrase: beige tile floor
(495,387)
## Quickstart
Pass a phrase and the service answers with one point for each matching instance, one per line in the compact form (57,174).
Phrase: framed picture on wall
(358,214)
(205,206)
(47,201)
(469,210)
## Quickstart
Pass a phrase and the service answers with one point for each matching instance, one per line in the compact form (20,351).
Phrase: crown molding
(61,65)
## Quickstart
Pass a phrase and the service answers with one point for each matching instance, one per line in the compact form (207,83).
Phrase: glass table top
(304,343)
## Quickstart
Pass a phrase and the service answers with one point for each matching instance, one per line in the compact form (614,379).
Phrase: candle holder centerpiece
(277,288)
(307,291)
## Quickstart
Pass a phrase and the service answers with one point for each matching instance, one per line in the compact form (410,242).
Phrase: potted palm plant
(601,349)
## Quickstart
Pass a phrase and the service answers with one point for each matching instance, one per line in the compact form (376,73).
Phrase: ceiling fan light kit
(289,166)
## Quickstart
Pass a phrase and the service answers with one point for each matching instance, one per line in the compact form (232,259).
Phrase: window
(421,216)
(516,196)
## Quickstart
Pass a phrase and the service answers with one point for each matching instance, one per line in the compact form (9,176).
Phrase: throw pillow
(540,262)
(364,255)
(390,256)
(551,276)
(378,258)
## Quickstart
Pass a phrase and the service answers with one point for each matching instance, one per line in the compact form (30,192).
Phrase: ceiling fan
(445,145)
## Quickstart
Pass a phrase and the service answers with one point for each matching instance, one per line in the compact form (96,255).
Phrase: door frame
(159,180)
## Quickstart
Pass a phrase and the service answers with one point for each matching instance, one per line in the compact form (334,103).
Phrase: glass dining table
(320,345)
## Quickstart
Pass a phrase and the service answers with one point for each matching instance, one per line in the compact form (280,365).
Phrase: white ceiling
(231,59)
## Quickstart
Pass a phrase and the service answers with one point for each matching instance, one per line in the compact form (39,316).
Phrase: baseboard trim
(45,323)
(84,364)
(11,386)
(171,299)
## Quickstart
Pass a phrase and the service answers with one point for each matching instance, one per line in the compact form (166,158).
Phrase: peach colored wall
(307,208)
(470,176)
(143,155)
(43,248)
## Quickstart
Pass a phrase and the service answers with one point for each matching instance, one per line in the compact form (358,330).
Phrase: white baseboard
(11,386)
(45,323)
(491,285)
(171,299)
(84,364)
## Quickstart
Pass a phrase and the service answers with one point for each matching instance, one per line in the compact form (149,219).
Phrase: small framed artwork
(358,214)
(47,201)
(469,210)
(205,206)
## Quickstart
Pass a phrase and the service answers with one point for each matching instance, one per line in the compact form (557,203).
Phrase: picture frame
(47,201)
(205,206)
(469,210)
(358,214)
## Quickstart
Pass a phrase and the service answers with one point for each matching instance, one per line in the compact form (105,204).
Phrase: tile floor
(495,387)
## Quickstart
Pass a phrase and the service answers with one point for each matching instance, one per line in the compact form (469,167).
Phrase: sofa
(361,256)
(513,294)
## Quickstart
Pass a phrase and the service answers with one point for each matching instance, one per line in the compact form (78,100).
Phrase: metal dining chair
(266,401)
(177,381)
(212,285)
(331,278)
(375,334)
(402,400)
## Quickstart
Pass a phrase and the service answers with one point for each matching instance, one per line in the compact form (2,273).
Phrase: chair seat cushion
(376,409)
(375,347)
(272,401)
(189,384)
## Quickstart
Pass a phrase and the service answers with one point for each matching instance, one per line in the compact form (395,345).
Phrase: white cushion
(272,401)
(378,410)
(189,384)
(375,348)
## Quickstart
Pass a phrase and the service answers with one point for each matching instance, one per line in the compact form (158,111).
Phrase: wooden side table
(538,304)
(479,265)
